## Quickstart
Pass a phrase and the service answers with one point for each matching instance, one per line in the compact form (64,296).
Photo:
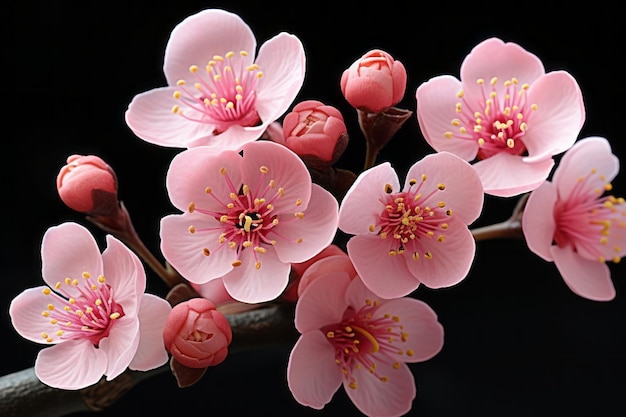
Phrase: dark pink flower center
(407,221)
(223,94)
(248,216)
(587,220)
(87,316)
(363,339)
(497,122)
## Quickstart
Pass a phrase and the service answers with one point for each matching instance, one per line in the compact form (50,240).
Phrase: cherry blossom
(92,312)
(246,218)
(573,221)
(413,234)
(349,336)
(218,93)
(506,115)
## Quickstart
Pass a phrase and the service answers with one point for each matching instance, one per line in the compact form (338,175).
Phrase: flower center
(497,122)
(362,339)
(89,315)
(224,94)
(406,219)
(248,217)
(588,218)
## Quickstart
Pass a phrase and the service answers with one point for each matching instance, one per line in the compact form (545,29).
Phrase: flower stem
(122,227)
(509,229)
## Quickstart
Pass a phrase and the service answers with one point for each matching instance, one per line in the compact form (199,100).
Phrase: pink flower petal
(375,266)
(451,259)
(25,311)
(560,114)
(495,58)
(317,228)
(124,272)
(463,188)
(585,156)
(193,170)
(538,224)
(322,302)
(71,366)
(199,37)
(374,397)
(312,374)
(282,60)
(424,334)
(333,263)
(150,117)
(68,250)
(121,345)
(590,279)
(247,284)
(151,352)
(436,104)
(184,250)
(360,207)
(506,175)
(285,168)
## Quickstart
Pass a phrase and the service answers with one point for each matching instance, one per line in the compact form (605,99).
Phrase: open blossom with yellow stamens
(573,221)
(218,93)
(246,218)
(505,114)
(93,311)
(352,337)
(413,234)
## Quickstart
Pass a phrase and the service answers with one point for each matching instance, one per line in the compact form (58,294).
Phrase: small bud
(88,185)
(374,82)
(197,334)
(315,130)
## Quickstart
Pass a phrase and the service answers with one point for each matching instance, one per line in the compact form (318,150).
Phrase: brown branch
(22,394)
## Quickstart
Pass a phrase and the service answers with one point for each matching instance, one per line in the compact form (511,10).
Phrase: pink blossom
(246,218)
(417,233)
(315,130)
(196,334)
(92,311)
(506,114)
(374,82)
(349,336)
(572,222)
(218,94)
(87,184)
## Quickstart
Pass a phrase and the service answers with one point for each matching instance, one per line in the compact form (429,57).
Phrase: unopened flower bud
(197,334)
(315,130)
(88,185)
(374,82)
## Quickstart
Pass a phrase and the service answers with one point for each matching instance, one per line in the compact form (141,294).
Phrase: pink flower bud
(88,185)
(374,82)
(313,129)
(196,334)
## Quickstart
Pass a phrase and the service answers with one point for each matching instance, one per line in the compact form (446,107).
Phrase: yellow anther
(441,186)
(114,316)
(493,81)
(175,109)
(510,143)
(388,188)
(177,94)
(180,83)
(460,94)
(534,107)
(191,229)
(447,135)
(480,81)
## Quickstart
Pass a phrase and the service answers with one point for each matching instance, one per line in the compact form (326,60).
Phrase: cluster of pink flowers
(254,227)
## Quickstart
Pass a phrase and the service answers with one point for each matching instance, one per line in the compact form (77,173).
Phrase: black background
(518,342)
